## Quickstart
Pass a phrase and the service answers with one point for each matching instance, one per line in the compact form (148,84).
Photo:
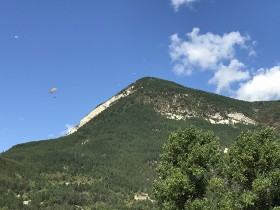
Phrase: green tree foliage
(194,174)
(187,163)
(252,168)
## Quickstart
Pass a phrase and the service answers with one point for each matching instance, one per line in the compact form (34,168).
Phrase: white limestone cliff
(101,108)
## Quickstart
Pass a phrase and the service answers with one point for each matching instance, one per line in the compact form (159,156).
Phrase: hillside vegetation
(113,157)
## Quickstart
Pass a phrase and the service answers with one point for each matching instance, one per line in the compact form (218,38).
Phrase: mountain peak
(177,102)
(142,83)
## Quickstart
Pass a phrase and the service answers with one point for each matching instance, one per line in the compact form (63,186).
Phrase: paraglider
(53,90)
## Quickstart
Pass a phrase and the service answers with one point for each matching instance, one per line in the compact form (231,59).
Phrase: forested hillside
(112,158)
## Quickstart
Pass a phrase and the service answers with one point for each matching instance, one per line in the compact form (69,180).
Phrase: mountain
(108,161)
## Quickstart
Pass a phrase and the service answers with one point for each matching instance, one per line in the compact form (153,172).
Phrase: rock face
(231,118)
(177,107)
(101,108)
(142,197)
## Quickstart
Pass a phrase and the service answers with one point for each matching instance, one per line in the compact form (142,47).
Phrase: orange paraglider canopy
(52,90)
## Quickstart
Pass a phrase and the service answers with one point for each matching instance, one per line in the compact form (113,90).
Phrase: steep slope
(101,108)
(109,159)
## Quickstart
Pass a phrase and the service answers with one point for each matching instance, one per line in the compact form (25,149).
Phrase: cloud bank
(177,3)
(227,75)
(263,86)
(219,55)
(204,52)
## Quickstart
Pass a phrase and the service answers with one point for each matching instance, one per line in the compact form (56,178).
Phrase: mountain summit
(108,161)
(181,103)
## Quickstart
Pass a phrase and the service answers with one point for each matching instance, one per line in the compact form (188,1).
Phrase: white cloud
(69,127)
(219,55)
(226,75)
(177,3)
(204,51)
(261,87)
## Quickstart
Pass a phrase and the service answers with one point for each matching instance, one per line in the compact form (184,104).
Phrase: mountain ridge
(216,118)
(231,118)
(100,108)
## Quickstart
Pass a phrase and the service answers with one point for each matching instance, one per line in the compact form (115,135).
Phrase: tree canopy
(194,173)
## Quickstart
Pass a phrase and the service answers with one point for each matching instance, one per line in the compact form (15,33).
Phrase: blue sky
(91,49)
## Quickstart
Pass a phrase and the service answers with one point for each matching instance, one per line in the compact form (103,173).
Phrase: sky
(92,49)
